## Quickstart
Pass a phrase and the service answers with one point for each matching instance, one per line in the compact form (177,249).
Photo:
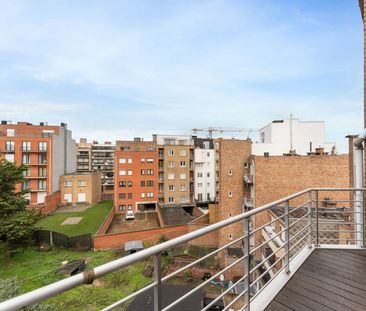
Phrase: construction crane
(210,130)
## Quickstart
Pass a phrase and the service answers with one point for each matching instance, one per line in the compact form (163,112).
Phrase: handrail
(88,276)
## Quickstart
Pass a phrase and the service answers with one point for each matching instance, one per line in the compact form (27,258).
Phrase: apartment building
(48,152)
(84,156)
(176,169)
(136,176)
(81,188)
(102,160)
(234,156)
(292,136)
(204,170)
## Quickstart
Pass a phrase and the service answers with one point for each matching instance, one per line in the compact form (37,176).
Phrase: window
(142,160)
(10,132)
(42,159)
(150,183)
(183,176)
(142,194)
(26,158)
(129,196)
(129,184)
(230,194)
(170,152)
(122,196)
(150,148)
(9,157)
(230,236)
(171,164)
(182,199)
(9,146)
(25,185)
(142,183)
(183,152)
(150,194)
(171,176)
(122,173)
(82,183)
(122,184)
(42,146)
(150,160)
(230,173)
(26,146)
(68,183)
(129,161)
(199,175)
(171,199)
(41,184)
(171,188)
(183,188)
(208,154)
(129,172)
(182,163)
(208,197)
(122,208)
(26,173)
(142,172)
(122,160)
(200,197)
(150,172)
(129,207)
(245,164)
(42,172)
(208,184)
(208,174)
(199,185)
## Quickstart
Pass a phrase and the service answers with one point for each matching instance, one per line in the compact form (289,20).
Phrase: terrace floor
(328,280)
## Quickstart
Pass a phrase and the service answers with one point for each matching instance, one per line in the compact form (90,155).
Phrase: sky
(120,69)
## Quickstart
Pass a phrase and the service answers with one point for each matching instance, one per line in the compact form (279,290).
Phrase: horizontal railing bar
(299,219)
(297,207)
(224,293)
(236,299)
(299,232)
(204,283)
(297,243)
(167,277)
(129,297)
(266,242)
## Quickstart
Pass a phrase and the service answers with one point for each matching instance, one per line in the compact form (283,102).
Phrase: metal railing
(268,237)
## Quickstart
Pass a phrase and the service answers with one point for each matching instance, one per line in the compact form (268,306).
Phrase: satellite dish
(222,278)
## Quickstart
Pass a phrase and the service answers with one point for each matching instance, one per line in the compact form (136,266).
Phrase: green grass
(35,269)
(93,217)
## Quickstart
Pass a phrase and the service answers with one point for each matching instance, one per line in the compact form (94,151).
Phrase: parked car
(130,215)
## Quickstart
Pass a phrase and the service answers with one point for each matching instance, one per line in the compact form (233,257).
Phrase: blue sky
(119,69)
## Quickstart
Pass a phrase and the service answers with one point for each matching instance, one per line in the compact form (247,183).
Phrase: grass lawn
(93,217)
(34,269)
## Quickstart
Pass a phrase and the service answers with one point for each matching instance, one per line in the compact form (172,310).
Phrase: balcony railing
(271,251)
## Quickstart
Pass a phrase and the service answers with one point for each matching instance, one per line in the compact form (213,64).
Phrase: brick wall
(117,240)
(51,202)
(210,239)
(107,222)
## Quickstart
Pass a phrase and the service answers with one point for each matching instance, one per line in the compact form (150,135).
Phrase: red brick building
(47,151)
(136,176)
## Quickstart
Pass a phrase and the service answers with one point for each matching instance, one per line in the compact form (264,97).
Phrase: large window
(26,146)
(26,158)
(26,172)
(82,183)
(42,172)
(25,185)
(42,159)
(41,184)
(9,146)
(42,146)
(68,183)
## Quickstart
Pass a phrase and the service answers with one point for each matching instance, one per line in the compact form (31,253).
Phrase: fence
(79,243)
(263,262)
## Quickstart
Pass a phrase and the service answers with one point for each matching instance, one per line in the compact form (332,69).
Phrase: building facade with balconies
(48,152)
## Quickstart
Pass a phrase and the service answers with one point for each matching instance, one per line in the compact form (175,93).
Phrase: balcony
(304,258)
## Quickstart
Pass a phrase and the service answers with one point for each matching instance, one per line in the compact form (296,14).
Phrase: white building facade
(300,137)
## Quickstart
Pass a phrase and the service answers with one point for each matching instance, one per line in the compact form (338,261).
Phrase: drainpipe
(358,183)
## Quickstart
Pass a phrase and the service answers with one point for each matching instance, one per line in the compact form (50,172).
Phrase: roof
(132,245)
(170,293)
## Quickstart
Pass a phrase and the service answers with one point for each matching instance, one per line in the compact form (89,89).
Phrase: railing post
(287,237)
(157,279)
(310,240)
(247,262)
(363,218)
(317,217)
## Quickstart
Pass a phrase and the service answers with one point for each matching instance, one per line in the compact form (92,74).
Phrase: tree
(16,221)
